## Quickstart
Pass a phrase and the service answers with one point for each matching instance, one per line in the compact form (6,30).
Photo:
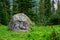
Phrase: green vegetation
(4,12)
(43,15)
(24,6)
(36,33)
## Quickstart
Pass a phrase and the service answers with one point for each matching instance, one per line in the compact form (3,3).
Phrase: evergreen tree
(15,7)
(41,12)
(24,6)
(45,11)
(0,10)
(4,18)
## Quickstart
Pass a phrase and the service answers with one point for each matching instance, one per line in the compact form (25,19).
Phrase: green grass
(36,33)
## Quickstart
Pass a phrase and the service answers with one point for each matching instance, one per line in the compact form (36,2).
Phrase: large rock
(20,22)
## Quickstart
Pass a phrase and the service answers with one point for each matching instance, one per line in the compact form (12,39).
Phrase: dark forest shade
(24,6)
(4,12)
(45,11)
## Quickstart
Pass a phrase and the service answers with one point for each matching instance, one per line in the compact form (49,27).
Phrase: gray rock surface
(20,23)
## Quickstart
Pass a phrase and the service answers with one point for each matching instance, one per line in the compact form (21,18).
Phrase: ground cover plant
(36,33)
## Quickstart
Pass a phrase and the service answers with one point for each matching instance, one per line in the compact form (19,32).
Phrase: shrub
(54,35)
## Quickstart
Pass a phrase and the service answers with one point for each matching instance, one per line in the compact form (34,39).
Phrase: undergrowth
(36,33)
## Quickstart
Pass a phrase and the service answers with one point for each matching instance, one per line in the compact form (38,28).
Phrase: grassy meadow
(36,33)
